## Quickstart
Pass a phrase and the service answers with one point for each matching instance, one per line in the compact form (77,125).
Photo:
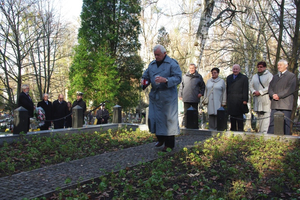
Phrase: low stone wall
(10,138)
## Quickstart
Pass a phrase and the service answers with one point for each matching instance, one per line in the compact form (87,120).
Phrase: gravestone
(221,119)
(77,120)
(117,114)
(192,118)
(278,123)
(20,120)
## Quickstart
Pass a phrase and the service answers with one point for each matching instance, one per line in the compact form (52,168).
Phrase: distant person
(191,89)
(60,111)
(102,115)
(215,92)
(47,106)
(259,86)
(68,123)
(26,102)
(164,75)
(237,97)
(281,91)
(79,101)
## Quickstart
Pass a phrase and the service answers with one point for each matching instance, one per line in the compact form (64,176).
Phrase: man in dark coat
(47,106)
(80,103)
(60,110)
(102,115)
(191,89)
(26,102)
(237,97)
(281,92)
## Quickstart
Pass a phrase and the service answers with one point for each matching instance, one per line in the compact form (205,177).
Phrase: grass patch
(219,168)
(43,151)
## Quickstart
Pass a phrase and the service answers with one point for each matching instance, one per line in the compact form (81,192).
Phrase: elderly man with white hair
(25,101)
(281,92)
(237,97)
(164,75)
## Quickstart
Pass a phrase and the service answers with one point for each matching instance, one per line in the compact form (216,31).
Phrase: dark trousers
(287,123)
(237,119)
(59,124)
(187,105)
(168,140)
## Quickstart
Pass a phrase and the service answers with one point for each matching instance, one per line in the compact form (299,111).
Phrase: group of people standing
(270,94)
(58,112)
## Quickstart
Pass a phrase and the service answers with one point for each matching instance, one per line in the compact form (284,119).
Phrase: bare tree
(16,33)
(49,48)
(206,21)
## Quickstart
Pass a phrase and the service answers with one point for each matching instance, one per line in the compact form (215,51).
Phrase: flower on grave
(40,114)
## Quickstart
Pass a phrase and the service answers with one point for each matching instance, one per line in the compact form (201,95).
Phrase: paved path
(44,180)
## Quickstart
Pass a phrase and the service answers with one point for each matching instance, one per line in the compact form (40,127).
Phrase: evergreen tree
(113,28)
(95,74)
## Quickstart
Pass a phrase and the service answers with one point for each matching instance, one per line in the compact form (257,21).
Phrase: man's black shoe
(158,144)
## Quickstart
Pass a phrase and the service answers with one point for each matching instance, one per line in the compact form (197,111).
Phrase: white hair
(24,86)
(236,65)
(45,95)
(162,48)
(283,61)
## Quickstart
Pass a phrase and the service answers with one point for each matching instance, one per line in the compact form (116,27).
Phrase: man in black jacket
(26,102)
(60,111)
(237,97)
(80,103)
(191,89)
(102,115)
(281,92)
(47,106)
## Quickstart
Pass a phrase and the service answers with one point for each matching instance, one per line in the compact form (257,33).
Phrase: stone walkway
(45,180)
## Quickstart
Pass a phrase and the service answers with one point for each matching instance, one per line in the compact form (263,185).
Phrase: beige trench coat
(262,102)
(217,97)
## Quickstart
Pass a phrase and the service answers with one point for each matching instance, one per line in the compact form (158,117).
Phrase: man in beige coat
(259,86)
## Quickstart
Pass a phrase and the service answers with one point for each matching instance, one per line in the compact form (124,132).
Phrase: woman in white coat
(259,86)
(215,92)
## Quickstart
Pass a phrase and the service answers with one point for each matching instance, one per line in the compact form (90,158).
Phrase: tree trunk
(205,22)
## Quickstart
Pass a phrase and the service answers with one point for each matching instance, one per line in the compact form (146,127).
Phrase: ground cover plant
(219,168)
(43,151)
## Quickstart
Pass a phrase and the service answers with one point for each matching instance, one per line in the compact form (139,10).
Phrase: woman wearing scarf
(259,86)
(215,92)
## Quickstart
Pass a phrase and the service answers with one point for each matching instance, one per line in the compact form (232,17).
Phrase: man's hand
(160,79)
(256,93)
(275,97)
(244,102)
(199,95)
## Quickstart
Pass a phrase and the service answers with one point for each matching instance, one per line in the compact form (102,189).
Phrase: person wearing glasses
(259,86)
(60,110)
(215,92)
